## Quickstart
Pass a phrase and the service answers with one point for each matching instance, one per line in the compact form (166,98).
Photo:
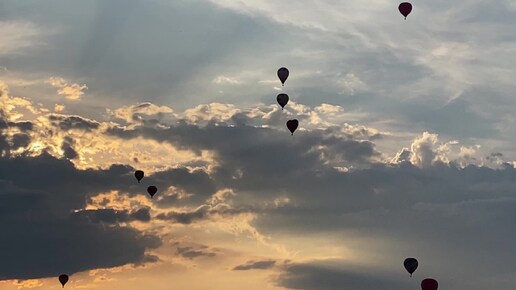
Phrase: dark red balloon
(429,284)
(152,190)
(63,278)
(139,175)
(405,8)
(283,75)
(282,100)
(292,125)
(410,265)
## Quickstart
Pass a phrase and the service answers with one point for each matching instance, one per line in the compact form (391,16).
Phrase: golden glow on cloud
(69,91)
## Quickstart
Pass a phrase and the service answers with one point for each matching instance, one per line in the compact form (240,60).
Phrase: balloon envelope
(139,175)
(283,75)
(63,278)
(292,125)
(282,100)
(429,284)
(405,8)
(410,265)
(152,190)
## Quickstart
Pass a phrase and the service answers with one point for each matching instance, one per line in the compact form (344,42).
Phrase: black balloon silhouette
(63,278)
(405,8)
(282,100)
(292,125)
(139,175)
(429,284)
(152,190)
(283,75)
(410,265)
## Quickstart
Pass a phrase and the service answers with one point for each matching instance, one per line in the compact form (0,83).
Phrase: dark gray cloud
(20,141)
(186,217)
(202,213)
(38,196)
(73,122)
(191,253)
(22,125)
(113,216)
(252,265)
(320,276)
(67,147)
(438,212)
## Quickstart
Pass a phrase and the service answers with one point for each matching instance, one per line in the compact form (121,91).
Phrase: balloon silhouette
(282,100)
(292,125)
(152,190)
(63,278)
(429,284)
(139,175)
(410,265)
(405,8)
(283,75)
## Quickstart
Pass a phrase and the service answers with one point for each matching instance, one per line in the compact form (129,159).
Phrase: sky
(405,146)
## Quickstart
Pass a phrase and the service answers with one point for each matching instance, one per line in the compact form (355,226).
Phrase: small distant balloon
(63,278)
(152,190)
(410,265)
(292,125)
(139,175)
(283,75)
(282,100)
(429,284)
(405,8)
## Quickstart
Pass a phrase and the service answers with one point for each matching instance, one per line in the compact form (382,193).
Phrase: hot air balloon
(429,284)
(405,8)
(63,278)
(152,190)
(282,100)
(283,75)
(410,265)
(139,175)
(292,125)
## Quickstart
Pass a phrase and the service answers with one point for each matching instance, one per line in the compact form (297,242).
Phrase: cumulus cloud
(69,91)
(259,179)
(36,214)
(59,108)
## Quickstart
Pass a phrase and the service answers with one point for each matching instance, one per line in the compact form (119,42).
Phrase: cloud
(113,216)
(328,182)
(191,253)
(67,147)
(350,83)
(66,122)
(321,276)
(70,91)
(251,265)
(224,80)
(18,37)
(59,108)
(36,214)
(137,113)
